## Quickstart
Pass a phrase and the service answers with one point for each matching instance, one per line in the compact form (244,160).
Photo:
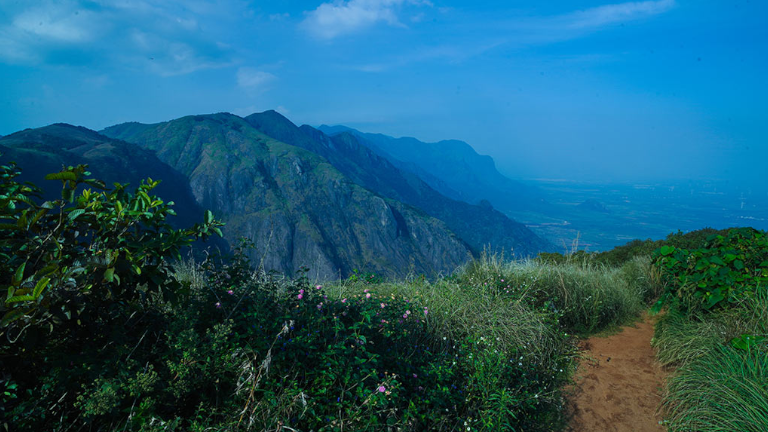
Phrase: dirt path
(618,383)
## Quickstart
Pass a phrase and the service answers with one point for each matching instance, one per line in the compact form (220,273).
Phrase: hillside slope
(453,168)
(479,226)
(296,207)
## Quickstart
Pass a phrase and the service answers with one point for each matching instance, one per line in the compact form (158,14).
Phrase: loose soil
(618,383)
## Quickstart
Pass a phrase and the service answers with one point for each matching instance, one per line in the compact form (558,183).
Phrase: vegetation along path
(618,384)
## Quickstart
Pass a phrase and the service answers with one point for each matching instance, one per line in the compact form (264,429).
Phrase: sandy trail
(618,383)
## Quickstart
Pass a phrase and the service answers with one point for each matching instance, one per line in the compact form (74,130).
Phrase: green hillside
(297,208)
(479,226)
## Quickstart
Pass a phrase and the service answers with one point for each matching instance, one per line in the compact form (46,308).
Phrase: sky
(589,90)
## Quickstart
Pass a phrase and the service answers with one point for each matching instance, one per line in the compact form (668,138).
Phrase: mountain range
(452,168)
(334,202)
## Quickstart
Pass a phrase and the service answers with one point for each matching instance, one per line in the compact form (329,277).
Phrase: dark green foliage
(365,277)
(101,335)
(68,260)
(84,276)
(620,255)
(729,268)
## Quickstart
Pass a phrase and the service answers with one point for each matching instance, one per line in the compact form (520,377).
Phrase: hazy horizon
(664,90)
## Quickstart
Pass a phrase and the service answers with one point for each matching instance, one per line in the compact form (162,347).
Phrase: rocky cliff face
(480,226)
(296,207)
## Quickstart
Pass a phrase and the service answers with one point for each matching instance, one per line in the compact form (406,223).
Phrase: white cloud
(551,29)
(172,37)
(253,79)
(59,23)
(609,14)
(330,20)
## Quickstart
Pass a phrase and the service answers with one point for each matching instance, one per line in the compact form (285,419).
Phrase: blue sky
(595,90)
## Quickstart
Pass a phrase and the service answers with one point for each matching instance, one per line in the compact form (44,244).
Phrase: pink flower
(320,306)
(230,292)
(415,376)
(382,389)
(405,315)
(318,287)
(301,296)
(301,291)
(343,300)
(365,290)
(407,312)
(218,305)
(382,305)
(368,295)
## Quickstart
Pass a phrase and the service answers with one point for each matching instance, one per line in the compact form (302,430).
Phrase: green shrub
(66,262)
(85,276)
(728,269)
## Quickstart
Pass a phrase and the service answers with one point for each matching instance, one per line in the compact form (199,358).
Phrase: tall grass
(511,331)
(588,297)
(723,390)
(680,338)
(716,387)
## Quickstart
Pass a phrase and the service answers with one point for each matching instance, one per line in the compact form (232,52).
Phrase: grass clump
(714,332)
(586,297)
(722,390)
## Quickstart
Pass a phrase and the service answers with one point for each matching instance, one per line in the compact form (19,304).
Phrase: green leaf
(68,194)
(40,286)
(716,260)
(40,213)
(98,184)
(12,316)
(75,213)
(19,275)
(109,274)
(746,341)
(48,269)
(208,217)
(64,176)
(667,250)
(17,299)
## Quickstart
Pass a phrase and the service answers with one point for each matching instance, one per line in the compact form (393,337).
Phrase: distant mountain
(453,168)
(479,226)
(297,207)
(45,150)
